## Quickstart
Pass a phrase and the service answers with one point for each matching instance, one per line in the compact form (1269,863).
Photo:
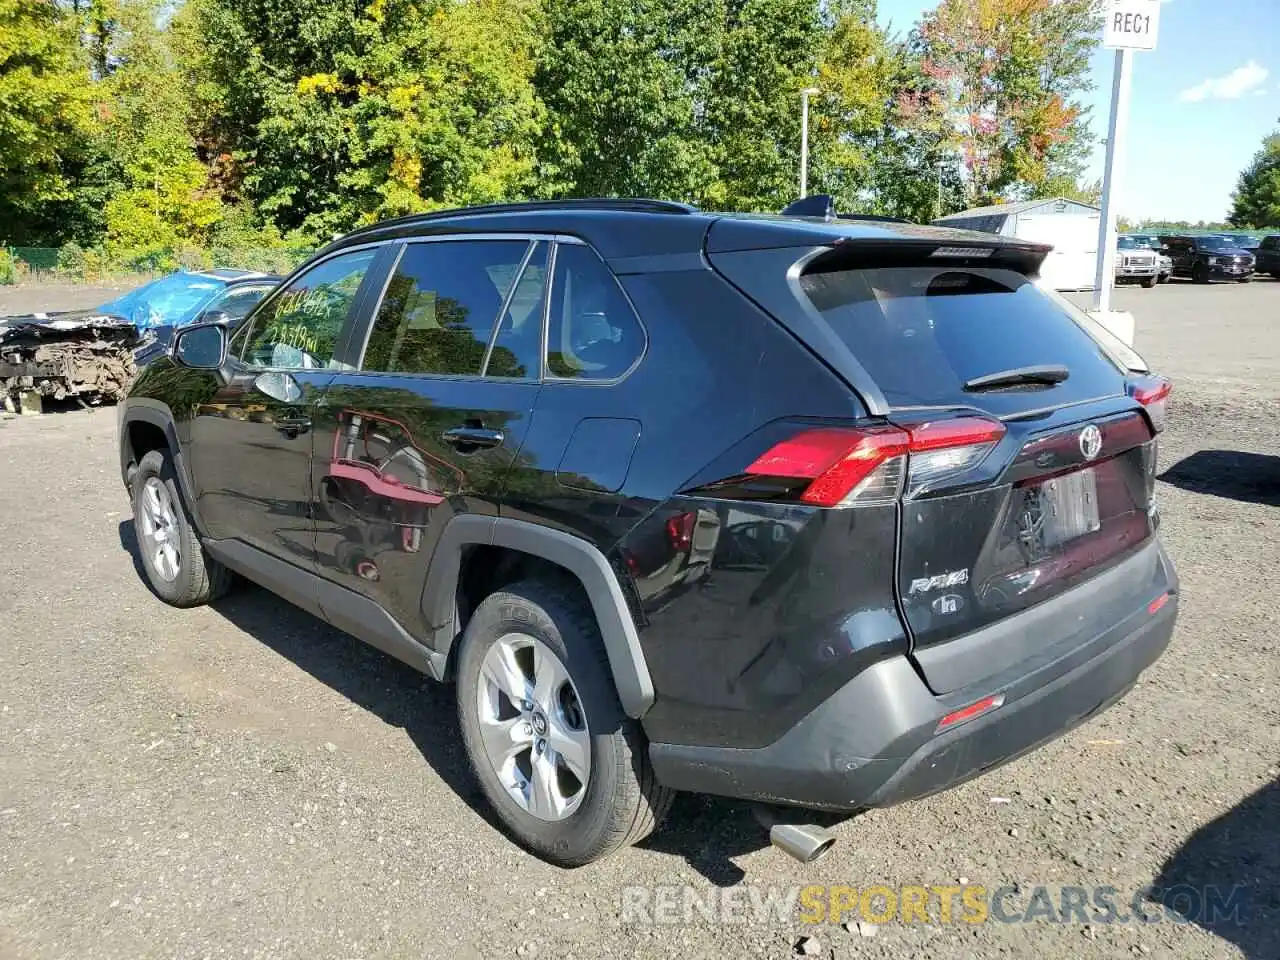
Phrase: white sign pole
(1116,132)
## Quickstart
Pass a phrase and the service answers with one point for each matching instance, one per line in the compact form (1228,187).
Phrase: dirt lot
(245,781)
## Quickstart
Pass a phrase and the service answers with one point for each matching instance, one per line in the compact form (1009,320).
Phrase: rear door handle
(292,426)
(473,437)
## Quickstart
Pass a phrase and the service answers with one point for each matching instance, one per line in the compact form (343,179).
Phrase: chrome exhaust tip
(801,841)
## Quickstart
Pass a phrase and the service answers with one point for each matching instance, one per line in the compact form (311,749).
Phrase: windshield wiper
(1046,374)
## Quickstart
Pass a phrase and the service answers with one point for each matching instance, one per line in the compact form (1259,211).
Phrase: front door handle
(292,426)
(473,437)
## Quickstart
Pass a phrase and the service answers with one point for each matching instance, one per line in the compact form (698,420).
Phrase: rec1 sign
(1130,24)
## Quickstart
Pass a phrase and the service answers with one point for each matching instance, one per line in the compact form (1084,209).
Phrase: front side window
(593,334)
(236,301)
(299,328)
(441,304)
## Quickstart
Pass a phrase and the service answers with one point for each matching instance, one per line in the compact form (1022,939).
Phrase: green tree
(330,114)
(165,198)
(767,52)
(857,69)
(45,116)
(1255,203)
(621,82)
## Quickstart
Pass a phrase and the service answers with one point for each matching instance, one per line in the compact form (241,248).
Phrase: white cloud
(1229,86)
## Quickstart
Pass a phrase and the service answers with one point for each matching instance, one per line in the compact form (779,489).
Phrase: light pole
(805,94)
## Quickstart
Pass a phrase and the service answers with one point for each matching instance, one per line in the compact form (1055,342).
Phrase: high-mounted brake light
(870,465)
(1153,393)
(962,252)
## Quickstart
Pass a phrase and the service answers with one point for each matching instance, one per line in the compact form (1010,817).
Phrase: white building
(1069,226)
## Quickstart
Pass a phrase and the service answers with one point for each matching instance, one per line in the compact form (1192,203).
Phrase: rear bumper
(874,742)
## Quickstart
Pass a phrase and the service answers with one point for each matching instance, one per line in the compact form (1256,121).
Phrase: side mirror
(201,348)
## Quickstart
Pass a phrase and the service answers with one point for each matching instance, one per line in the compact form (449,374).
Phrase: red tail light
(870,464)
(1152,393)
(680,531)
(977,709)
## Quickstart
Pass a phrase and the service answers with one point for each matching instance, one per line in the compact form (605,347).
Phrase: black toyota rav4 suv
(820,513)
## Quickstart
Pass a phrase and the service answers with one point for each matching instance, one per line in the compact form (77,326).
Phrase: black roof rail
(621,204)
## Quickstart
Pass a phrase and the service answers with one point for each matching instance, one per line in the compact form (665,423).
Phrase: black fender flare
(582,559)
(158,414)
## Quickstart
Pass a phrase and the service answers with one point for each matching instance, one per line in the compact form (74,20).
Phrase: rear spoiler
(966,250)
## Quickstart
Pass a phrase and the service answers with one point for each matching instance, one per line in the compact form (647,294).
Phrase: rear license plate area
(1070,506)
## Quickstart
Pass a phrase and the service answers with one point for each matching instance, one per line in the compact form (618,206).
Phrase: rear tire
(518,636)
(178,570)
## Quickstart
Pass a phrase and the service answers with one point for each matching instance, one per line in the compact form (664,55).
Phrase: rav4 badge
(928,584)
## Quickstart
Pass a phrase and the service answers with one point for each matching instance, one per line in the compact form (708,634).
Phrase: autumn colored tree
(149,125)
(1007,77)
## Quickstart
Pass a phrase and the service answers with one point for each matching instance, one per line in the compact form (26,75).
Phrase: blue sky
(1201,103)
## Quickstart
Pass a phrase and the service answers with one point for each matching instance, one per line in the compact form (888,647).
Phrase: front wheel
(177,567)
(1149,282)
(1200,273)
(565,769)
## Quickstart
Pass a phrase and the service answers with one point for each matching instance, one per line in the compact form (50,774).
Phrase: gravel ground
(245,781)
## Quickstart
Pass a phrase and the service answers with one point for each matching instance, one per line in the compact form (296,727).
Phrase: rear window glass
(922,332)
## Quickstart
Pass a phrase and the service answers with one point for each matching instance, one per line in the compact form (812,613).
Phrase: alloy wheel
(532,727)
(158,519)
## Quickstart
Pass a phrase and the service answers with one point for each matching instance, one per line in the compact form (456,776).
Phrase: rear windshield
(923,332)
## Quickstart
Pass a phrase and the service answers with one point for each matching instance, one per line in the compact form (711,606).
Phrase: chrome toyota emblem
(1090,441)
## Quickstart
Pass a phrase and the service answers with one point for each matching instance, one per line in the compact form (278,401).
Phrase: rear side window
(441,306)
(517,347)
(923,332)
(593,334)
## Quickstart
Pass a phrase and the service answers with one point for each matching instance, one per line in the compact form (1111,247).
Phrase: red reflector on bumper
(1157,603)
(969,712)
